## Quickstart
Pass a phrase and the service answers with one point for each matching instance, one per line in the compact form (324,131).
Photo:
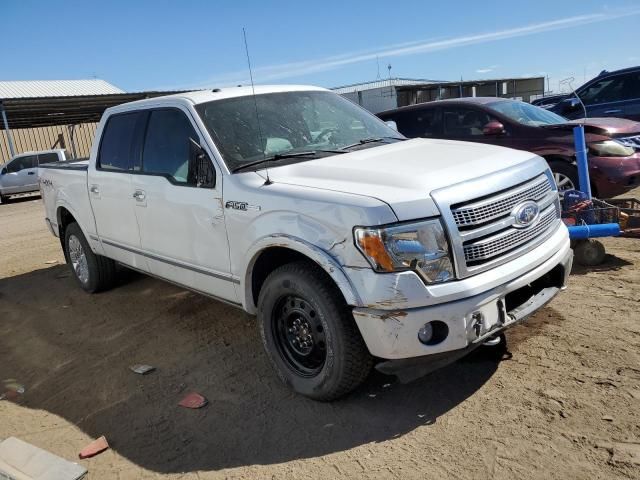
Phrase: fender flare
(63,204)
(314,253)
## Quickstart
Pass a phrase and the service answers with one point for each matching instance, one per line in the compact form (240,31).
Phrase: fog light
(425,334)
(432,333)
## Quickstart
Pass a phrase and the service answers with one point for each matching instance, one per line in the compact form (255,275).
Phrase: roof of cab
(201,96)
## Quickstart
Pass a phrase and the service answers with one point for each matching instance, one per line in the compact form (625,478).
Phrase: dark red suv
(613,143)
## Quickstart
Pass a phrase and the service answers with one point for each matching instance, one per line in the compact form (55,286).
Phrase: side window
(47,158)
(418,123)
(464,122)
(167,144)
(116,146)
(21,163)
(609,89)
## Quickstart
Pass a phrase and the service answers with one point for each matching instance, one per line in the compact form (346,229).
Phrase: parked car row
(20,174)
(613,143)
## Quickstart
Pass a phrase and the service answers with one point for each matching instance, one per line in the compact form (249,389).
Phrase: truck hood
(401,174)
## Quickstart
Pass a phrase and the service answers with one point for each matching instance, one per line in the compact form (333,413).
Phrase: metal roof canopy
(65,110)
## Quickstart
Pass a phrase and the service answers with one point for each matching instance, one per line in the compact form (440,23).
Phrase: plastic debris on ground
(22,461)
(99,445)
(193,400)
(12,390)
(141,369)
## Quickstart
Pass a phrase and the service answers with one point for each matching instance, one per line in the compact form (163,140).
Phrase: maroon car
(613,143)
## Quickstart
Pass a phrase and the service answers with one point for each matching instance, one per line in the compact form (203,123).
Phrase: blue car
(610,94)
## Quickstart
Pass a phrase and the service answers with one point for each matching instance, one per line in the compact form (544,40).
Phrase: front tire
(93,272)
(309,333)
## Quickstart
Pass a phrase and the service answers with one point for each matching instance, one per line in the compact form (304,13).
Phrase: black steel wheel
(309,333)
(300,335)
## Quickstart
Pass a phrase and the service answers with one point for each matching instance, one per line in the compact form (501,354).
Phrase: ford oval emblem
(525,213)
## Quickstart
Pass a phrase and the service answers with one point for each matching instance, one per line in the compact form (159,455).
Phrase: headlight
(610,148)
(421,247)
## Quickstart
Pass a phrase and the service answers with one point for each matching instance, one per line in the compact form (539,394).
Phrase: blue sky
(143,45)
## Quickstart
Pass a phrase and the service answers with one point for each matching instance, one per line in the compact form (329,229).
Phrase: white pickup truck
(20,174)
(353,245)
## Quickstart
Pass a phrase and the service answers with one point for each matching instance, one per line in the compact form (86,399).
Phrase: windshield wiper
(364,141)
(283,156)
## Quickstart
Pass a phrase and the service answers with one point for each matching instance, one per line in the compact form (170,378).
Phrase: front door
(21,175)
(182,226)
(111,189)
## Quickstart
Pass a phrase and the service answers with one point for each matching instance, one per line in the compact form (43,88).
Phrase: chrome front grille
(489,219)
(485,210)
(630,141)
(506,240)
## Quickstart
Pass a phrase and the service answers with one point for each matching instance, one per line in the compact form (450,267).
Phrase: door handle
(139,195)
(617,110)
(94,189)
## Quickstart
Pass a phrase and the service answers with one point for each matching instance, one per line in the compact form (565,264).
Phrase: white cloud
(487,69)
(305,67)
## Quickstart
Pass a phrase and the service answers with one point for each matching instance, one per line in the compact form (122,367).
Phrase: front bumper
(615,175)
(393,334)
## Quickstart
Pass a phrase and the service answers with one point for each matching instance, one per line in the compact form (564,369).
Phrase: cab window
(418,122)
(47,158)
(167,145)
(116,147)
(20,163)
(464,122)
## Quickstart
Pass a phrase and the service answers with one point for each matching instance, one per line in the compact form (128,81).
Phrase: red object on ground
(97,446)
(193,400)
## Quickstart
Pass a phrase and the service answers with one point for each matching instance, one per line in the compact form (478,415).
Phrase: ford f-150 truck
(353,245)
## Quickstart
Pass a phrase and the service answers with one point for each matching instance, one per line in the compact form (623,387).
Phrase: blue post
(581,159)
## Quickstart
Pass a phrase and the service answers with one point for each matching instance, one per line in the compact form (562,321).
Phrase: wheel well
(64,220)
(270,259)
(571,161)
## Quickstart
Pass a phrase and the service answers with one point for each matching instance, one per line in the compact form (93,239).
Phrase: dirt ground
(564,404)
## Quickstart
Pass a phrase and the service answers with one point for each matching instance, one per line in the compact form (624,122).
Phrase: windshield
(526,114)
(290,122)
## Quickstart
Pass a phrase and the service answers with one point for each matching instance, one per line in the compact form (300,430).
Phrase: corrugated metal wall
(45,138)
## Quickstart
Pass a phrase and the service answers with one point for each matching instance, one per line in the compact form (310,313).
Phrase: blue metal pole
(581,159)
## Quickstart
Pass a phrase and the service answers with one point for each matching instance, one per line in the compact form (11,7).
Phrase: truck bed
(76,164)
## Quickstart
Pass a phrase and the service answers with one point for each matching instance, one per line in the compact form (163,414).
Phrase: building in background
(381,95)
(41,115)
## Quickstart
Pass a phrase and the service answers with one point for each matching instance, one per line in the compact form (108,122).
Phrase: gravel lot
(565,403)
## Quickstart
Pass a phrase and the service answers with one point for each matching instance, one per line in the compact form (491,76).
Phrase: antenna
(255,103)
(569,81)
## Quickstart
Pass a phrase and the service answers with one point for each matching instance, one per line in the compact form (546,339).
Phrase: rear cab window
(117,146)
(48,158)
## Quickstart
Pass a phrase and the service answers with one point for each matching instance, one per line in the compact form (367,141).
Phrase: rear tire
(4,198)
(565,174)
(309,333)
(93,272)
(589,253)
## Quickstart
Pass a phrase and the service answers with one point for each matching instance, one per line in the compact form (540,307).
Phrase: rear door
(21,175)
(111,188)
(182,226)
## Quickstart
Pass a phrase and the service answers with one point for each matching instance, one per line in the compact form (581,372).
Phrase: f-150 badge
(244,206)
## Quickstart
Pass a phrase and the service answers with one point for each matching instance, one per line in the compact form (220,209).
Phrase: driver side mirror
(3,171)
(392,124)
(493,128)
(201,171)
(570,104)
